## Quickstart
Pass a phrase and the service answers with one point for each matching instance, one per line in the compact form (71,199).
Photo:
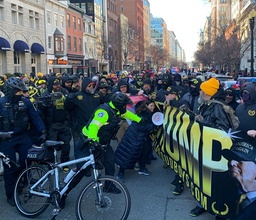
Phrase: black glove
(122,109)
(184,108)
(42,137)
(143,121)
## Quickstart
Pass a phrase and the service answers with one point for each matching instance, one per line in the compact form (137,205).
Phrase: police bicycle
(39,185)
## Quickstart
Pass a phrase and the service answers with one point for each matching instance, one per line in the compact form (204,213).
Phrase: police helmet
(16,83)
(121,99)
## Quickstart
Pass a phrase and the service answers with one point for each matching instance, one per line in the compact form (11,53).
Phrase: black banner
(194,152)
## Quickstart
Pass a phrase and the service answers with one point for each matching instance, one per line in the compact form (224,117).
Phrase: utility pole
(252,22)
(105,31)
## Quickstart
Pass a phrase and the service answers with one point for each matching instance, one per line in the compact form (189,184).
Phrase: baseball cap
(56,81)
(240,151)
(171,90)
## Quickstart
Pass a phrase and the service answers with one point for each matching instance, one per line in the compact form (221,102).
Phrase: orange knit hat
(210,87)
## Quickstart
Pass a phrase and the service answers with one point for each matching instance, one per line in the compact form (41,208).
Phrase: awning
(62,66)
(4,44)
(21,46)
(37,48)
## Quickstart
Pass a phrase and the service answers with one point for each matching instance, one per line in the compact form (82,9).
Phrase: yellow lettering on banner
(194,146)
(200,197)
(176,149)
(184,143)
(192,189)
(175,153)
(209,166)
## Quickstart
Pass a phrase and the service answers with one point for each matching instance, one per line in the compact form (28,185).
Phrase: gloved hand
(199,118)
(183,108)
(122,110)
(43,136)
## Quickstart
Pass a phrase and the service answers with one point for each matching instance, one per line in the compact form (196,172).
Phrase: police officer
(101,128)
(15,113)
(57,117)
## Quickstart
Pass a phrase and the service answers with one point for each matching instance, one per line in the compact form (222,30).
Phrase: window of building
(83,6)
(50,42)
(31,19)
(14,13)
(74,22)
(49,15)
(1,10)
(89,29)
(223,1)
(68,20)
(69,43)
(17,62)
(20,16)
(75,44)
(55,19)
(222,9)
(37,25)
(62,21)
(79,24)
(59,44)
(80,45)
(33,59)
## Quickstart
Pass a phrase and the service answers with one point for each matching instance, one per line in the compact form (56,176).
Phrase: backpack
(234,121)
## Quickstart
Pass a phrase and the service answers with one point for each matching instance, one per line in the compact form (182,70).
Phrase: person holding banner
(211,114)
(172,98)
(135,145)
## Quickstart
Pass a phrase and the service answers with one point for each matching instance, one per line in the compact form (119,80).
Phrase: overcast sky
(185,17)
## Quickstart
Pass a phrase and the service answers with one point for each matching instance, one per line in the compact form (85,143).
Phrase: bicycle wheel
(98,200)
(28,204)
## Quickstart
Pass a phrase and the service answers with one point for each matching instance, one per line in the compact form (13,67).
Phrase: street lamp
(252,22)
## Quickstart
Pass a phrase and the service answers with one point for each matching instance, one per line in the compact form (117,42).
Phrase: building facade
(22,51)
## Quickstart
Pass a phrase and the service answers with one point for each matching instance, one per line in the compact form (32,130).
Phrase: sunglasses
(91,85)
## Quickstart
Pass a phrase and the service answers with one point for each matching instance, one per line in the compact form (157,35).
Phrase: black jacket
(214,115)
(128,151)
(246,112)
(82,105)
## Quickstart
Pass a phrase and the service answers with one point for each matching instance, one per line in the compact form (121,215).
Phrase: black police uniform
(15,114)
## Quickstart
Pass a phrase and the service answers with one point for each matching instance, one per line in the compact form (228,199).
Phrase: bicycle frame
(90,161)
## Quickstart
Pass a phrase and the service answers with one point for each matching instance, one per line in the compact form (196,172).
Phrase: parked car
(243,80)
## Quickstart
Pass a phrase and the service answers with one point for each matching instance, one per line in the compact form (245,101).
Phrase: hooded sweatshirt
(82,104)
(246,112)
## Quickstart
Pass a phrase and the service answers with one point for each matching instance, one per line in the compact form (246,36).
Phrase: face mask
(16,98)
(246,97)
(200,100)
(91,91)
(193,91)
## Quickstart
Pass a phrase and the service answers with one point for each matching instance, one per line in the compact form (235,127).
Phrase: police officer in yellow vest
(101,128)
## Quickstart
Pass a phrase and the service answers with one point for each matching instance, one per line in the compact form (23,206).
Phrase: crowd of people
(73,107)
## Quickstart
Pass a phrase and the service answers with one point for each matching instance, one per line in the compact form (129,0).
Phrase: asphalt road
(152,198)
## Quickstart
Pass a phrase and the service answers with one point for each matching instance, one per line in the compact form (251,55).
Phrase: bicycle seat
(50,143)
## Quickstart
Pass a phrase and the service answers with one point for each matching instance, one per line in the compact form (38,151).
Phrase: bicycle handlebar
(6,134)
(7,160)
(93,143)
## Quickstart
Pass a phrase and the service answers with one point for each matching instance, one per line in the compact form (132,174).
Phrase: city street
(152,198)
